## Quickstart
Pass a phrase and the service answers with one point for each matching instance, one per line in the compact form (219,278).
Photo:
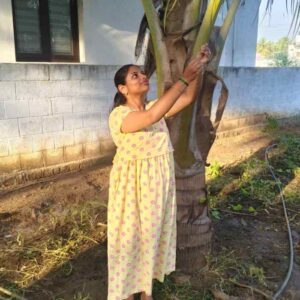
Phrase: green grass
(168,290)
(271,124)
(250,181)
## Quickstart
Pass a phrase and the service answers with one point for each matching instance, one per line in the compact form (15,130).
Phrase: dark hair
(120,79)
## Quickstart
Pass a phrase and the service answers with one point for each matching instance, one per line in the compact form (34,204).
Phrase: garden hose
(291,258)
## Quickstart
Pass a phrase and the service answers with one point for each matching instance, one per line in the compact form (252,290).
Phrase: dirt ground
(53,235)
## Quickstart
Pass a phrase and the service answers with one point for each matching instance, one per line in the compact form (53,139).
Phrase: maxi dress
(141,216)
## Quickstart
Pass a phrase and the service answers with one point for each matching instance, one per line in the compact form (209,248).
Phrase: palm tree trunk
(178,32)
(194,227)
(191,131)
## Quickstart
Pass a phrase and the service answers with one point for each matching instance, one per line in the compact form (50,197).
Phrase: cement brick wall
(52,114)
(252,91)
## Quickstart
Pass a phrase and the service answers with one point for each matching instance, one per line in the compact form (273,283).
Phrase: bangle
(182,79)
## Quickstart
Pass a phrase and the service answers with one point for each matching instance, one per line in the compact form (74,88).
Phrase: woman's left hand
(205,54)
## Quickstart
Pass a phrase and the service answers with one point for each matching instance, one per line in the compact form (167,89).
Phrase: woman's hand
(204,54)
(195,65)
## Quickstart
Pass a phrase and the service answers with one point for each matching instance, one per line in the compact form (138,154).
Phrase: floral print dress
(141,217)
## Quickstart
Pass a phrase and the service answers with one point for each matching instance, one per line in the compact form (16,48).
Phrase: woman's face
(137,82)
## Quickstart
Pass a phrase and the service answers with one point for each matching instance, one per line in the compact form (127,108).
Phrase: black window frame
(47,55)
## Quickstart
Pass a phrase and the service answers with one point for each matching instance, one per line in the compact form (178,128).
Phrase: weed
(291,191)
(14,289)
(297,171)
(215,214)
(272,124)
(67,268)
(251,168)
(251,209)
(257,273)
(237,207)
(73,230)
(263,190)
(213,200)
(214,170)
(169,290)
(81,296)
(224,261)
(225,265)
(20,239)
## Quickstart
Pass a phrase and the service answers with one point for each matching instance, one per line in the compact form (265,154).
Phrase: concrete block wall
(53,114)
(253,91)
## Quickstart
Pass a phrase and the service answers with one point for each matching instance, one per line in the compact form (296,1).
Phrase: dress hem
(143,290)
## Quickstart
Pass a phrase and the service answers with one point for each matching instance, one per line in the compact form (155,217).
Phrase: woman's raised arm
(137,120)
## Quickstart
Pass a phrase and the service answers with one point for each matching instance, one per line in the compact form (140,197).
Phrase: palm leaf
(149,64)
(203,9)
(141,37)
(143,30)
(295,10)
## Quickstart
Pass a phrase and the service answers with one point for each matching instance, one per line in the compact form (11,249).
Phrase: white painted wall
(240,45)
(7,43)
(108,31)
(110,37)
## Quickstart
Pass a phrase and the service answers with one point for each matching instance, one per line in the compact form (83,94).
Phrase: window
(46,30)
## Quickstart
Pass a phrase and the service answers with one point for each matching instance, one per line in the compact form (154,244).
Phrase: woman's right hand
(195,65)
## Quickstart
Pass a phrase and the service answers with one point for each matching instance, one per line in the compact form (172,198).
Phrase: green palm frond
(294,7)
(203,9)
(149,63)
(143,30)
(141,37)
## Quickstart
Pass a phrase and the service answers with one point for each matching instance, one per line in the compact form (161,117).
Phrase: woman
(141,217)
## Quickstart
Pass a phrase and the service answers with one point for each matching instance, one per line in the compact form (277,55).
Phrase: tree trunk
(178,29)
(174,39)
(194,227)
(193,235)
(192,133)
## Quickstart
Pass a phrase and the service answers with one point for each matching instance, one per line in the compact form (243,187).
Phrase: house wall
(7,43)
(108,31)
(55,114)
(109,37)
(240,46)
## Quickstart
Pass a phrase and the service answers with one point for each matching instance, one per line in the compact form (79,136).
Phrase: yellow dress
(141,217)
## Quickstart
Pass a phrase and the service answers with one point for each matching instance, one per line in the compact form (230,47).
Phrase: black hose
(291,258)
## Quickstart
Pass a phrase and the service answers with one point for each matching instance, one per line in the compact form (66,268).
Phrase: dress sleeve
(116,118)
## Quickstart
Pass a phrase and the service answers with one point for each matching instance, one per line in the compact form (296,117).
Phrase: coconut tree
(178,29)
